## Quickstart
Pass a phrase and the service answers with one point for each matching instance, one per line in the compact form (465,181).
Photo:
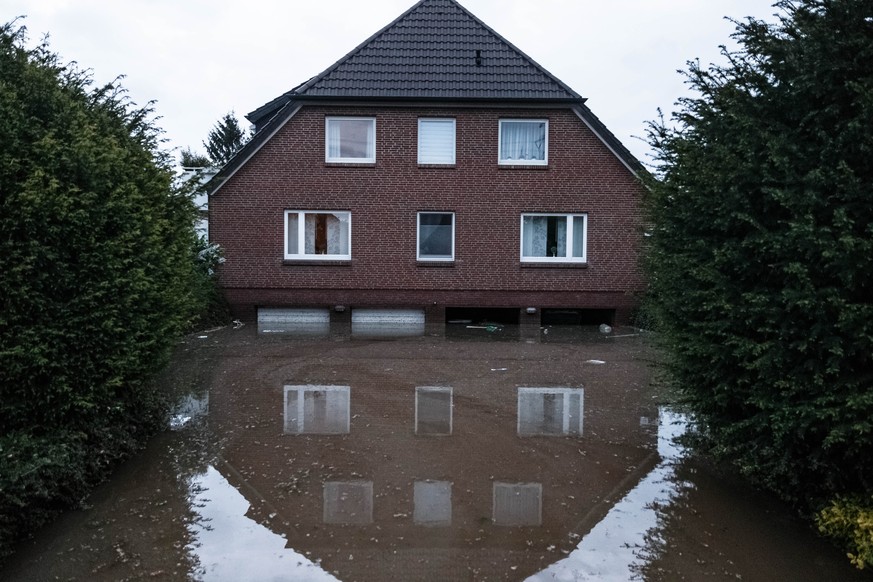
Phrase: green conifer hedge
(97,280)
(761,259)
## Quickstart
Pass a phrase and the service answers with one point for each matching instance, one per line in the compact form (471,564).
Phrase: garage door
(294,321)
(387,322)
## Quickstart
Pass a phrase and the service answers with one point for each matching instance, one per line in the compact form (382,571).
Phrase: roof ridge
(361,46)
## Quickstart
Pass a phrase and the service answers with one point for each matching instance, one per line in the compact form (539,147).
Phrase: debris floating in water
(179,421)
(489,327)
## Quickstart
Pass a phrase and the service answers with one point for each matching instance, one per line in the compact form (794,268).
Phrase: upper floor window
(524,142)
(436,141)
(554,238)
(436,236)
(318,235)
(351,140)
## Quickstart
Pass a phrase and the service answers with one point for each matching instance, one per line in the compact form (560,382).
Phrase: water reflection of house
(432,482)
(435,169)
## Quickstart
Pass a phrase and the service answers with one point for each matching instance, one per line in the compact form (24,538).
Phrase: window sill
(535,167)
(525,265)
(317,263)
(349,164)
(437,166)
(437,264)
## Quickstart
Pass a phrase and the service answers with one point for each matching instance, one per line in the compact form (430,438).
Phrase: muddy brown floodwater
(488,454)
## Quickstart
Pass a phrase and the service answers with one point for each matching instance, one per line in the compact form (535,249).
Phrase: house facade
(436,169)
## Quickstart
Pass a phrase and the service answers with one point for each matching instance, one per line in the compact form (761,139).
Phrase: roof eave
(612,143)
(286,112)
(439,99)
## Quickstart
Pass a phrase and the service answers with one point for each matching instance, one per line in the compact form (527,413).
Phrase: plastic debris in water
(489,327)
(179,421)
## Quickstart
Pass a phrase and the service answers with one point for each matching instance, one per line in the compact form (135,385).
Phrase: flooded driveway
(488,455)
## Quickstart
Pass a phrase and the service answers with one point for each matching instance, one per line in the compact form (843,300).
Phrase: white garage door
(294,321)
(387,322)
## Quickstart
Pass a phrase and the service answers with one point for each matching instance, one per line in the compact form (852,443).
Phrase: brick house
(436,169)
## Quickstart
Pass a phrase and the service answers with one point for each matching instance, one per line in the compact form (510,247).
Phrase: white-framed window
(523,142)
(554,238)
(350,140)
(436,236)
(436,141)
(318,235)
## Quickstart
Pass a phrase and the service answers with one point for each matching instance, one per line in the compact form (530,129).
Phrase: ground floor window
(318,235)
(436,236)
(560,238)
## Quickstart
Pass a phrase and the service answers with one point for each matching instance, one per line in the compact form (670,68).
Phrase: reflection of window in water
(432,503)
(550,411)
(317,409)
(518,504)
(348,502)
(433,410)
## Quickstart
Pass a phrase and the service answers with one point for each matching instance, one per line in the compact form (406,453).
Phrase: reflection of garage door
(295,321)
(388,322)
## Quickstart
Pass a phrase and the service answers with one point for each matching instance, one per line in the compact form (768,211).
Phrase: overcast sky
(200,59)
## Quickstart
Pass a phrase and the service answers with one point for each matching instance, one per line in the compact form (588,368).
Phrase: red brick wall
(289,172)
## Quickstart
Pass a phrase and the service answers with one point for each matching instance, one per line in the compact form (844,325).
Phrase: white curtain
(536,241)
(309,233)
(351,138)
(333,138)
(559,249)
(523,140)
(534,235)
(337,233)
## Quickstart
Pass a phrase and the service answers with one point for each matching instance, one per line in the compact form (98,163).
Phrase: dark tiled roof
(436,50)
(430,52)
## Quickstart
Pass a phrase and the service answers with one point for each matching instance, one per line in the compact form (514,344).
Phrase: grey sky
(199,59)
